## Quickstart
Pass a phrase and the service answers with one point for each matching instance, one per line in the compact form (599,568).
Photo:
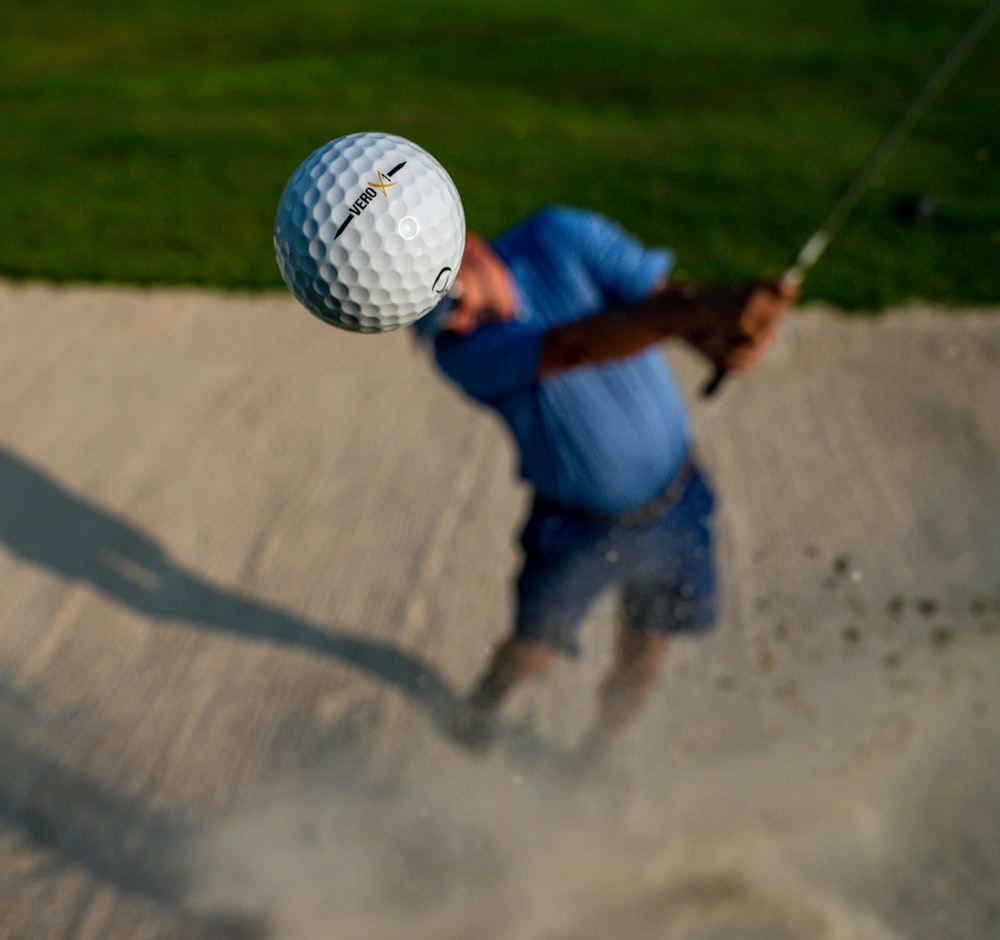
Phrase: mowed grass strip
(148,143)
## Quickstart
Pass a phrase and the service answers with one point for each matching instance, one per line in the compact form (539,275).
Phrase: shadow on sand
(45,524)
(80,825)
(116,840)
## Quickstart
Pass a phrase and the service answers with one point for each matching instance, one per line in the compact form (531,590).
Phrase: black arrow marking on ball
(352,213)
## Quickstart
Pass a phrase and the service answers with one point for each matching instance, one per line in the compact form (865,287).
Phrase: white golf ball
(369,232)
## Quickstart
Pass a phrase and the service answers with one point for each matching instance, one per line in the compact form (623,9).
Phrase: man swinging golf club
(558,329)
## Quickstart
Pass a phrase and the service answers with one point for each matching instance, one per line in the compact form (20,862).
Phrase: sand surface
(248,563)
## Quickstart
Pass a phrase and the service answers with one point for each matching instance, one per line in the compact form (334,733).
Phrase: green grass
(148,142)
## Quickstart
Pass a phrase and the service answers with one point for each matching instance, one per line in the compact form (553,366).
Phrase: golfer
(557,326)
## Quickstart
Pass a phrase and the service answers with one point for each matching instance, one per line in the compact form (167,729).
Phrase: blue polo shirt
(603,438)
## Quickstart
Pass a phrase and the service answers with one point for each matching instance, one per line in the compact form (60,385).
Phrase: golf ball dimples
(369,232)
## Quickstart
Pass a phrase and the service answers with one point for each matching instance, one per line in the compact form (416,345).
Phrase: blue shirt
(604,438)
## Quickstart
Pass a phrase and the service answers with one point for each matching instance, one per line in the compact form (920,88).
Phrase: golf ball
(369,232)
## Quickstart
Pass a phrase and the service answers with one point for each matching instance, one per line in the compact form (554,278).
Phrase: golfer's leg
(636,668)
(514,662)
(560,576)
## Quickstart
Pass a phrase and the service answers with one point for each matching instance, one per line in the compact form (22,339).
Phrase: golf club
(817,242)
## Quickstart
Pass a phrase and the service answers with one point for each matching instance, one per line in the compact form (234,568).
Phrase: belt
(641,515)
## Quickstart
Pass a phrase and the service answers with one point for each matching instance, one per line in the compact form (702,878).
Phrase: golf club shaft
(818,241)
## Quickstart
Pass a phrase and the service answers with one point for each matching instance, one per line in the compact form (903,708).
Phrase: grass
(148,142)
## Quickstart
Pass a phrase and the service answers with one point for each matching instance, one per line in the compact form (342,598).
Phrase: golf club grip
(714,383)
(792,278)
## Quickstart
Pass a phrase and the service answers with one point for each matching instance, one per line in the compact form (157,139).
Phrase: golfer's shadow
(45,524)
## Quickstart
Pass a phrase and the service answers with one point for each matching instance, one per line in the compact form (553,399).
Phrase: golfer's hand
(484,288)
(736,325)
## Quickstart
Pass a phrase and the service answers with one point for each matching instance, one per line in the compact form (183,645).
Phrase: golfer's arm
(669,311)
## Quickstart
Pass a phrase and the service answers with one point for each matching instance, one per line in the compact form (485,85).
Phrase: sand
(248,563)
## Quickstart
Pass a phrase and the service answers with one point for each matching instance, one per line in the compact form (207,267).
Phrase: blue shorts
(663,568)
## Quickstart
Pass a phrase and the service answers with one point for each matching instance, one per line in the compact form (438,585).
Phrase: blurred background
(148,142)
(248,562)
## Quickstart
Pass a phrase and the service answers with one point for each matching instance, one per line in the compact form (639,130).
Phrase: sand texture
(248,562)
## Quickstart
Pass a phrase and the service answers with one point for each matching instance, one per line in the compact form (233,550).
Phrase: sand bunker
(248,563)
